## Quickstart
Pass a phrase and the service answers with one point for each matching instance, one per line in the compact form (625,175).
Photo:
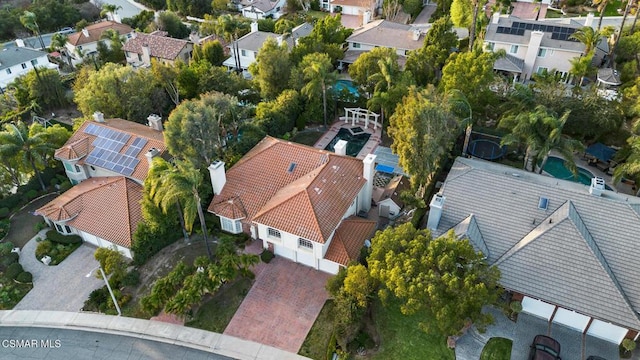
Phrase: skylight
(292,167)
(543,203)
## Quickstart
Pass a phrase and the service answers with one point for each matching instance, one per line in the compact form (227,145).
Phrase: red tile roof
(95,32)
(308,201)
(80,145)
(159,46)
(107,207)
(349,239)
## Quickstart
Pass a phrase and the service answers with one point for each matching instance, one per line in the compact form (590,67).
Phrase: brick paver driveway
(63,287)
(282,305)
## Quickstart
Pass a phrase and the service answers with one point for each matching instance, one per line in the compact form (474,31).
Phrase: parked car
(544,348)
(66,31)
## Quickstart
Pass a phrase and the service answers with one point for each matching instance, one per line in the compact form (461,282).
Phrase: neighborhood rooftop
(159,46)
(95,31)
(517,31)
(14,56)
(388,34)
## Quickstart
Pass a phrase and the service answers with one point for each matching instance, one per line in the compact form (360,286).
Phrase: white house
(85,42)
(107,161)
(534,46)
(388,197)
(262,9)
(243,52)
(568,251)
(18,61)
(365,8)
(298,201)
(141,48)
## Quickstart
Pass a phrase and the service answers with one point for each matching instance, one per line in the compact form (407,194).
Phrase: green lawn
(317,14)
(402,338)
(307,137)
(216,313)
(315,345)
(497,349)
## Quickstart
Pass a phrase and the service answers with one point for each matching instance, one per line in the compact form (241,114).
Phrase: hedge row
(56,237)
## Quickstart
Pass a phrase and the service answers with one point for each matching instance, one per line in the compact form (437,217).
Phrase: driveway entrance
(282,305)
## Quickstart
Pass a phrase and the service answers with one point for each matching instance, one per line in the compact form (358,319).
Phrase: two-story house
(15,62)
(85,42)
(141,48)
(300,202)
(262,9)
(534,47)
(244,51)
(107,161)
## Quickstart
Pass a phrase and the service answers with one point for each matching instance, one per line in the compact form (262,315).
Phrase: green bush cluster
(266,256)
(6,256)
(132,278)
(24,277)
(56,237)
(57,251)
(30,195)
(4,212)
(13,270)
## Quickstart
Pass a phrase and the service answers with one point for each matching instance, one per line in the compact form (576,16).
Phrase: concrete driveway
(282,305)
(63,287)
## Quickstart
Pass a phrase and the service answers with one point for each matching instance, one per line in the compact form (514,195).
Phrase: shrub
(266,256)
(132,278)
(31,194)
(4,212)
(5,248)
(54,182)
(11,201)
(40,225)
(66,185)
(44,248)
(516,307)
(24,277)
(13,270)
(7,260)
(56,237)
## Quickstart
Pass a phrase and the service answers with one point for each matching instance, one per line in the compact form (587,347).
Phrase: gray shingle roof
(547,42)
(584,260)
(387,34)
(509,63)
(14,56)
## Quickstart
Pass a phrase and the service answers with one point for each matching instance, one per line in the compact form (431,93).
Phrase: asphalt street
(43,343)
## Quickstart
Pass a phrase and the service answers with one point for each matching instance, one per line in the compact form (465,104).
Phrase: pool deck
(368,148)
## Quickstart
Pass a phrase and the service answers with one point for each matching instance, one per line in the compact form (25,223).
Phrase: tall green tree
(180,184)
(272,68)
(327,37)
(588,36)
(18,140)
(581,67)
(423,130)
(30,21)
(279,116)
(384,80)
(630,168)
(601,6)
(210,51)
(155,183)
(42,86)
(367,65)
(320,77)
(471,73)
(58,43)
(443,278)
(113,51)
(110,10)
(172,23)
(541,131)
(427,62)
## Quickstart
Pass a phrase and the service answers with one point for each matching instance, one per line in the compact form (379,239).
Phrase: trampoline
(486,149)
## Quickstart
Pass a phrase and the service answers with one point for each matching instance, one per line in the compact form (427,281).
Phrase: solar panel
(107,146)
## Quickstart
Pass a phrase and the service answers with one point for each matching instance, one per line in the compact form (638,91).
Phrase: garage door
(537,308)
(571,319)
(283,251)
(350,10)
(607,331)
(306,258)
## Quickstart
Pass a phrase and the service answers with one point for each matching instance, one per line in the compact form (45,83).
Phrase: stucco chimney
(155,122)
(146,53)
(98,116)
(597,186)
(366,17)
(435,211)
(415,36)
(153,152)
(589,20)
(218,176)
(19,43)
(368,172)
(254,27)
(340,148)
(85,32)
(495,18)
(532,54)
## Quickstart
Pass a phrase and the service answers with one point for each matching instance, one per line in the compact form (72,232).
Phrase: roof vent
(597,186)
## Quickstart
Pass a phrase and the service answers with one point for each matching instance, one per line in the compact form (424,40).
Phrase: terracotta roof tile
(308,201)
(80,143)
(107,207)
(95,32)
(349,239)
(159,46)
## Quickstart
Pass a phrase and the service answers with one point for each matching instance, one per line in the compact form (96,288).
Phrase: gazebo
(355,115)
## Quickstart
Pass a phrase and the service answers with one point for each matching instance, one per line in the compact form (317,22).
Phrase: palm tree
(320,76)
(541,131)
(631,167)
(619,34)
(231,28)
(474,21)
(589,37)
(110,9)
(58,43)
(155,183)
(29,20)
(581,66)
(602,5)
(383,81)
(30,146)
(460,106)
(181,183)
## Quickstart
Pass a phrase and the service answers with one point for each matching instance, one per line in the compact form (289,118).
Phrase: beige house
(141,48)
(107,161)
(85,42)
(534,47)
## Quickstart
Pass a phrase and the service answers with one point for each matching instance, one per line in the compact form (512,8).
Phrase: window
(127,54)
(542,53)
(541,70)
(34,62)
(543,203)
(24,65)
(273,233)
(490,45)
(356,45)
(62,229)
(139,57)
(129,36)
(304,243)
(514,49)
(232,226)
(9,71)
(243,52)
(70,167)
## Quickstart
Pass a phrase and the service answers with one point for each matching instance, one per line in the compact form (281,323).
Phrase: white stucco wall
(554,59)
(97,241)
(8,75)
(367,47)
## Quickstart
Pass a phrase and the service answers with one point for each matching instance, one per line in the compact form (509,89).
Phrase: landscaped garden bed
(497,349)
(57,247)
(216,313)
(15,283)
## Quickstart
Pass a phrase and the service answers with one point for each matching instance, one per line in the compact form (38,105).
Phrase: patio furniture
(602,166)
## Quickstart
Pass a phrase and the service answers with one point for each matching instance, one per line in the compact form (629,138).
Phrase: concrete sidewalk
(157,331)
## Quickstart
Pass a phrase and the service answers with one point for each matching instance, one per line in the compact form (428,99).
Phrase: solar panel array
(107,146)
(557,32)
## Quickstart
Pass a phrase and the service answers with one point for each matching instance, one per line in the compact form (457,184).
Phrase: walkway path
(23,222)
(63,287)
(425,15)
(156,331)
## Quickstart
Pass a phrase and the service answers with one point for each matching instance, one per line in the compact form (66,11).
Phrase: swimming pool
(557,168)
(346,84)
(355,137)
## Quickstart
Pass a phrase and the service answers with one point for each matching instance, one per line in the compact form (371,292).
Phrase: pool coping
(369,146)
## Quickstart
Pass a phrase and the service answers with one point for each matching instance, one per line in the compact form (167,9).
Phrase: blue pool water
(346,84)
(356,139)
(557,168)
